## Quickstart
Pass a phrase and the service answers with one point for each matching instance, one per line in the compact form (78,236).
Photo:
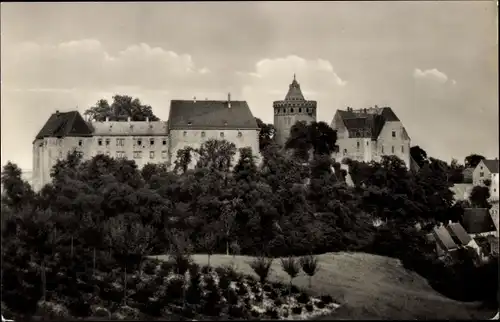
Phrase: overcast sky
(435,63)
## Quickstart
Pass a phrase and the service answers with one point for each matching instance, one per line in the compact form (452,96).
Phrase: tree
(323,138)
(456,172)
(292,268)
(184,157)
(471,161)
(216,155)
(479,197)
(418,155)
(266,134)
(262,267)
(152,169)
(209,242)
(17,192)
(310,266)
(245,168)
(299,141)
(123,106)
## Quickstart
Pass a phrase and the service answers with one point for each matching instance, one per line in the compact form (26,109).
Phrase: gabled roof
(492,165)
(207,114)
(367,122)
(65,124)
(443,238)
(455,229)
(478,220)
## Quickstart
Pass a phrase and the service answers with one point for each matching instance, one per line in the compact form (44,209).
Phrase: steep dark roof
(207,114)
(455,229)
(492,165)
(367,123)
(294,92)
(478,220)
(444,239)
(65,124)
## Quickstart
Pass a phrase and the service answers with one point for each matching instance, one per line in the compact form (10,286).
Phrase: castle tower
(292,109)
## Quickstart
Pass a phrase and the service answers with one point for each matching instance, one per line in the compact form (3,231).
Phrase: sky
(435,63)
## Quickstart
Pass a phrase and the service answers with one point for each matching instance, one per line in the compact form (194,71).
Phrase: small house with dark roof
(292,109)
(192,122)
(367,134)
(484,171)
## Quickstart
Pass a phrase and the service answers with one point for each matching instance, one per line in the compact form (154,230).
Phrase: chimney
(194,99)
(229,100)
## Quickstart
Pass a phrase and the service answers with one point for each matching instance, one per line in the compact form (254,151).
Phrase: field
(367,286)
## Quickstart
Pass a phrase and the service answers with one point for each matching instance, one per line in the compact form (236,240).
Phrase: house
(484,171)
(368,134)
(443,240)
(467,173)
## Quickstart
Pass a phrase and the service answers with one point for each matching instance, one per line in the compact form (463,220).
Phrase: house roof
(477,221)
(113,128)
(492,165)
(414,165)
(62,124)
(207,114)
(443,238)
(457,230)
(367,122)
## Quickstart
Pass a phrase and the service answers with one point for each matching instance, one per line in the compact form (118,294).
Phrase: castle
(363,135)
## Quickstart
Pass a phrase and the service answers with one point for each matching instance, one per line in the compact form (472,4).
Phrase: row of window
(221,134)
(358,146)
(121,142)
(291,110)
(136,154)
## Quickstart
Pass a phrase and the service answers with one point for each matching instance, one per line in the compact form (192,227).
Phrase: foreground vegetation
(78,246)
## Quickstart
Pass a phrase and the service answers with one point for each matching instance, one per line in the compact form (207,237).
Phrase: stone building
(292,109)
(190,124)
(368,134)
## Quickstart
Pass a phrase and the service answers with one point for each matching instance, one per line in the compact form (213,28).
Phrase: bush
(52,311)
(297,310)
(303,298)
(272,313)
(175,289)
(236,311)
(320,305)
(309,307)
(327,299)
(180,262)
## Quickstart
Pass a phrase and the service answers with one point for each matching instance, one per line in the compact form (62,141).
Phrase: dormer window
(190,123)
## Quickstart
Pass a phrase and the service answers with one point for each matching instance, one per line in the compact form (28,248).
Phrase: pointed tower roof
(294,92)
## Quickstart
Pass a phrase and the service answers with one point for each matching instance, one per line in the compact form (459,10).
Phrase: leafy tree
(121,108)
(471,161)
(299,141)
(323,138)
(262,267)
(17,192)
(266,134)
(245,168)
(216,155)
(479,197)
(184,157)
(209,242)
(291,266)
(152,169)
(418,155)
(456,172)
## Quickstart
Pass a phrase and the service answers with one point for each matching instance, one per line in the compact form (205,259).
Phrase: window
(481,174)
(291,110)
(80,142)
(392,149)
(120,154)
(60,154)
(367,143)
(164,142)
(382,149)
(308,110)
(203,134)
(357,145)
(185,133)
(120,142)
(139,142)
(163,154)
(137,154)
(393,134)
(151,141)
(345,151)
(108,153)
(402,149)
(151,154)
(240,134)
(221,134)
(108,141)
(190,123)
(300,110)
(99,142)
(481,167)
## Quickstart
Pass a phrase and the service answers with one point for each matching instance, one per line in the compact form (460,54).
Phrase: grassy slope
(368,286)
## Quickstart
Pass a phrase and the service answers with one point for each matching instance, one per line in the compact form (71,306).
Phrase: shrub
(327,299)
(279,302)
(149,267)
(272,313)
(310,266)
(297,310)
(309,307)
(303,298)
(262,266)
(180,262)
(206,269)
(320,305)
(52,311)
(193,293)
(175,289)
(236,311)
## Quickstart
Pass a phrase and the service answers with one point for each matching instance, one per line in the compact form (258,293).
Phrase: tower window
(139,142)
(357,145)
(291,110)
(345,151)
(300,110)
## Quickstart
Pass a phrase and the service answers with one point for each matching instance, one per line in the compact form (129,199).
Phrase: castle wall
(286,114)
(182,138)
